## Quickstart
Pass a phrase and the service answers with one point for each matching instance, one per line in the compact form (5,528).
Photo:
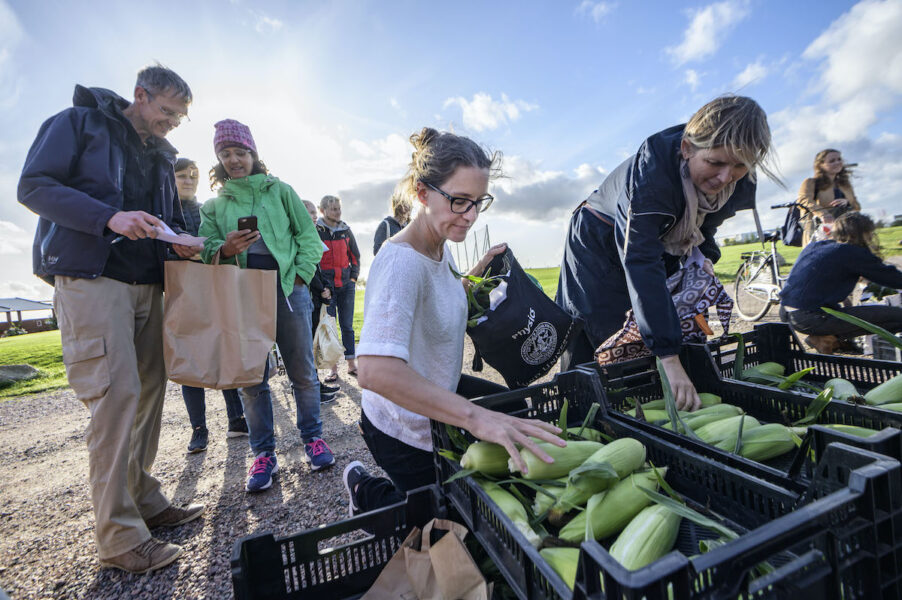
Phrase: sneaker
(319,454)
(237,428)
(174,516)
(151,555)
(326,398)
(353,474)
(259,478)
(198,441)
(328,389)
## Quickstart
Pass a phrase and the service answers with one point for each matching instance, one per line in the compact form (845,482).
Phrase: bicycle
(758,280)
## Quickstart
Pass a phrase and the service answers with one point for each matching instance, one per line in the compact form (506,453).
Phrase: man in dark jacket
(100,177)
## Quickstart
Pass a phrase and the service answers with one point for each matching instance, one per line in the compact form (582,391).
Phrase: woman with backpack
(828,194)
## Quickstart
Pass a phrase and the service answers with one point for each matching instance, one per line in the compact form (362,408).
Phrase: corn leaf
(527,505)
(739,361)
(461,474)
(593,502)
(562,420)
(705,546)
(816,407)
(603,471)
(590,418)
(791,379)
(670,404)
(457,438)
(688,513)
(876,330)
(664,485)
(450,455)
(738,446)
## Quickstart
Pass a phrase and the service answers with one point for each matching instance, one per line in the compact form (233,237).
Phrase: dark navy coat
(72,179)
(614,258)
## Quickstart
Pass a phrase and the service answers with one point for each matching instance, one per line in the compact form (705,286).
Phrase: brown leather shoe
(151,555)
(174,516)
(825,344)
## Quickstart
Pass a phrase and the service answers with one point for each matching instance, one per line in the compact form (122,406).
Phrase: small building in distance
(45,321)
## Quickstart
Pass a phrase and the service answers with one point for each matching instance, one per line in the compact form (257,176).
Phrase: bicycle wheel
(752,304)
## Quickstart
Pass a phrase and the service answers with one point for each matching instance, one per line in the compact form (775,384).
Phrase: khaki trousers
(113,351)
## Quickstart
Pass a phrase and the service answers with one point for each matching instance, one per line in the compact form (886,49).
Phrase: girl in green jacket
(283,239)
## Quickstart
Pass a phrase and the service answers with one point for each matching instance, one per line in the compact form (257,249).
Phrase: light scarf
(686,234)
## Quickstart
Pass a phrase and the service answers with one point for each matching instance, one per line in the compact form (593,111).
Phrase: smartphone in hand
(248,223)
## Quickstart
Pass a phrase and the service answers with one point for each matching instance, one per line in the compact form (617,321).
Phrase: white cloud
(707,30)
(483,113)
(595,10)
(692,79)
(13,239)
(11,35)
(753,73)
(397,106)
(31,290)
(531,193)
(266,24)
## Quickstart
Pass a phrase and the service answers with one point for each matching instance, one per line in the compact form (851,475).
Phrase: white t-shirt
(414,309)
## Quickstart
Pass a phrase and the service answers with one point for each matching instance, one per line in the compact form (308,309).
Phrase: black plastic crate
(268,568)
(840,538)
(776,342)
(639,381)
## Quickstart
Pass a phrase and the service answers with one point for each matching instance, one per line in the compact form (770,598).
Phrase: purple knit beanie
(230,132)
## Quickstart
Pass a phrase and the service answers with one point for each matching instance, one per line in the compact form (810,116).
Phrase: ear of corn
(650,535)
(706,398)
(851,429)
(543,502)
(617,508)
(564,561)
(593,435)
(651,415)
(718,431)
(889,391)
(510,506)
(703,416)
(762,373)
(624,455)
(762,443)
(896,406)
(486,457)
(565,459)
(842,389)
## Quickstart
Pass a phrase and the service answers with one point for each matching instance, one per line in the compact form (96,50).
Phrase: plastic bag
(327,346)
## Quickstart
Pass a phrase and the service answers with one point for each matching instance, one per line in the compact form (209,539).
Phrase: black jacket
(387,228)
(72,179)
(643,199)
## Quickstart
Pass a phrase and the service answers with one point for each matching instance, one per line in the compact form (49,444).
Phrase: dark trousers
(407,467)
(818,322)
(197,408)
(343,304)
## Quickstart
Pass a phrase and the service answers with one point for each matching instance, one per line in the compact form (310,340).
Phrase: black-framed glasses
(169,114)
(462,206)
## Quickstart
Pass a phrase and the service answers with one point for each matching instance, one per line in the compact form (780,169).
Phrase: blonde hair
(400,203)
(437,155)
(328,201)
(821,179)
(739,125)
(310,206)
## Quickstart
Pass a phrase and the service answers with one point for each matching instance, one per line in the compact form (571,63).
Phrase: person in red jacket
(341,265)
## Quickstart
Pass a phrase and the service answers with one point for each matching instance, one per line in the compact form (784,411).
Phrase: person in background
(852,253)
(341,264)
(392,224)
(321,293)
(411,346)
(100,177)
(186,178)
(652,212)
(828,194)
(285,241)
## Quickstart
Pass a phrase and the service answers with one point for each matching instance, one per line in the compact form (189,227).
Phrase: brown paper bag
(219,324)
(422,571)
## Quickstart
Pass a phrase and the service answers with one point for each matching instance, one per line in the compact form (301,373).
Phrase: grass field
(43,350)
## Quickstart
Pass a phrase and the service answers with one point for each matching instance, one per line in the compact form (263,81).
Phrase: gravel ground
(46,522)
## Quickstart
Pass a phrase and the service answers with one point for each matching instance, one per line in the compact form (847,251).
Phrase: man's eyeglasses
(169,114)
(461,206)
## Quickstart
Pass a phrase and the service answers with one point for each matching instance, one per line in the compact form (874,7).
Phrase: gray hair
(438,154)
(739,125)
(158,79)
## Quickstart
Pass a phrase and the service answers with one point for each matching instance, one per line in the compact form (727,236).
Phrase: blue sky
(565,90)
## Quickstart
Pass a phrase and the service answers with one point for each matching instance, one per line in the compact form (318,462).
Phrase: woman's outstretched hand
(483,264)
(511,432)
